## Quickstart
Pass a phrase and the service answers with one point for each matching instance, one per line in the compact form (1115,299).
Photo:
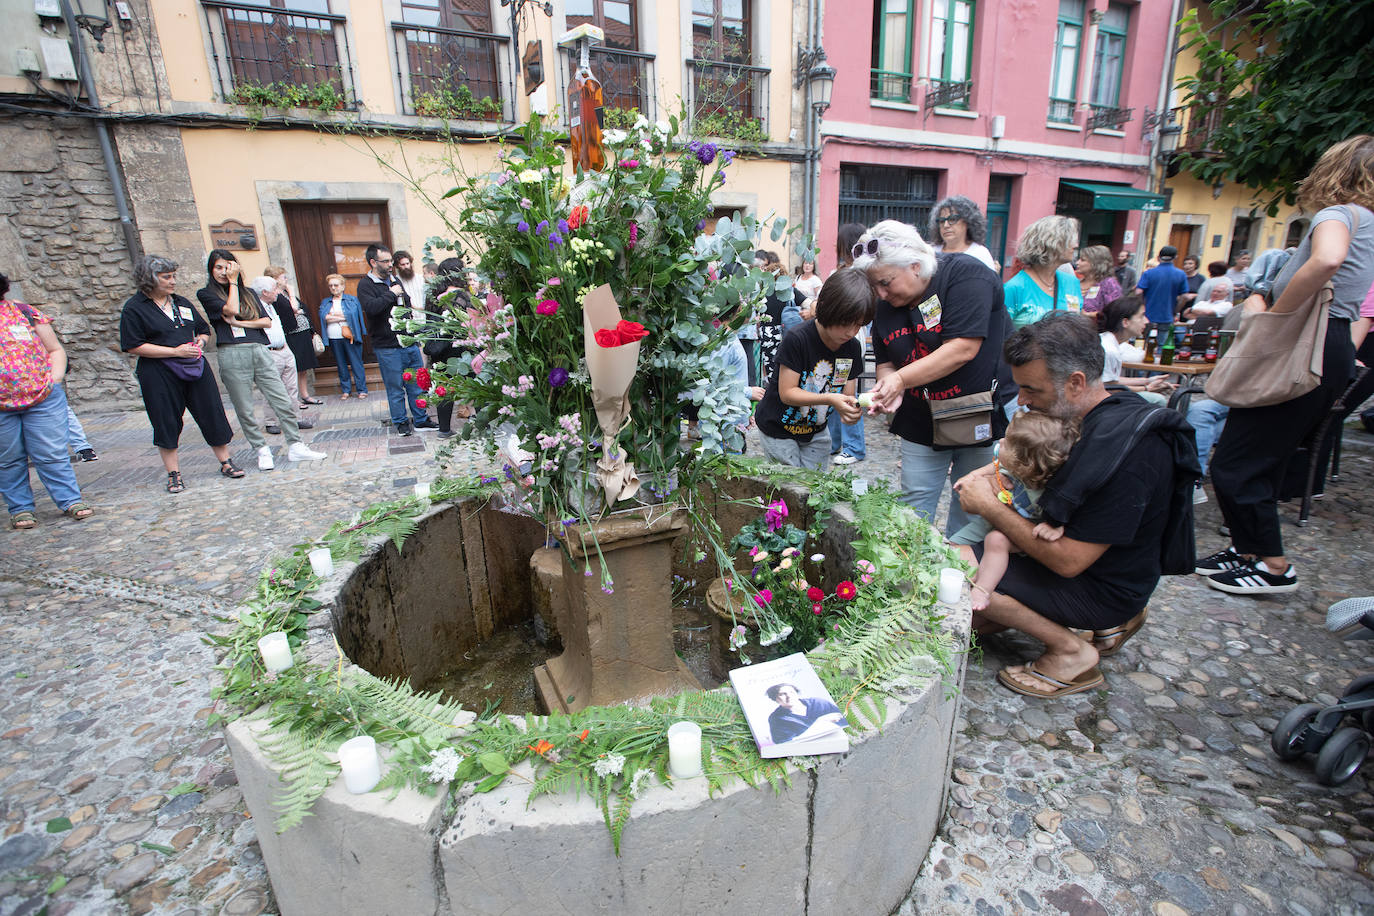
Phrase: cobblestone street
(1156,794)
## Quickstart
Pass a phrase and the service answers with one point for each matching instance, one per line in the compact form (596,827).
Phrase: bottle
(587,120)
(1213,345)
(1150,345)
(1166,352)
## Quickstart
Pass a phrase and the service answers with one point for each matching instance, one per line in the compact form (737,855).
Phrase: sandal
(1110,641)
(1085,681)
(362,395)
(23,521)
(310,402)
(174,484)
(229,469)
(344,396)
(78,511)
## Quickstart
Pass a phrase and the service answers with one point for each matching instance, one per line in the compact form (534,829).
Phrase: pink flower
(754,551)
(815,608)
(547,307)
(764,596)
(634,234)
(777,511)
(421,403)
(555,281)
(440,391)
(629,163)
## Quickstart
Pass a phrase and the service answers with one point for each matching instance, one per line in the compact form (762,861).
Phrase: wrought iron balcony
(890,85)
(280,57)
(1104,117)
(729,100)
(627,79)
(1198,136)
(1061,111)
(452,73)
(948,93)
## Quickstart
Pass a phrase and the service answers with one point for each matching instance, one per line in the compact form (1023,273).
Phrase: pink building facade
(1027,107)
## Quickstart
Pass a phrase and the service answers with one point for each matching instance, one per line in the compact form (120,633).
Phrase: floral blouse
(25,373)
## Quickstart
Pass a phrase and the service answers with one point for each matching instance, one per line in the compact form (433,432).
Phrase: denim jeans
(1208,418)
(37,434)
(76,436)
(349,358)
(393,361)
(846,438)
(925,471)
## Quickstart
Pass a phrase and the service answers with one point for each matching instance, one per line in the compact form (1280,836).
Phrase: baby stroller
(1315,729)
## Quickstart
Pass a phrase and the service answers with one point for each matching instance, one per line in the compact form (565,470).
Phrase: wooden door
(331,238)
(1181,237)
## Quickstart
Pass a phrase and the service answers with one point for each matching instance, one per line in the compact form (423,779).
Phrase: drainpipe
(102,131)
(1166,84)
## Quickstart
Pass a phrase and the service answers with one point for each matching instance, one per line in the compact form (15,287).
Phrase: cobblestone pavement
(1157,794)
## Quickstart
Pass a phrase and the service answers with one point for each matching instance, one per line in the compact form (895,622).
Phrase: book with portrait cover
(788,708)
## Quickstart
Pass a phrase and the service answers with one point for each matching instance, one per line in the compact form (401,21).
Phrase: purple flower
(727,157)
(510,472)
(522,226)
(563,226)
(558,377)
(555,239)
(701,225)
(634,234)
(540,229)
(487,480)
(706,153)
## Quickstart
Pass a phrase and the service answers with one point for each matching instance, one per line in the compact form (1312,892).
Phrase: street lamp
(1169,135)
(816,75)
(819,79)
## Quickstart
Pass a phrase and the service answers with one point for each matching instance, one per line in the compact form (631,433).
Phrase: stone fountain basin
(848,836)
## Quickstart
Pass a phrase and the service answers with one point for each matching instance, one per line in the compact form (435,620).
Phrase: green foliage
(324,96)
(730,124)
(1291,78)
(459,103)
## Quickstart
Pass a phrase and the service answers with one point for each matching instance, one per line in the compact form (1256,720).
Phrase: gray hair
(1099,258)
(899,245)
(960,206)
(1044,240)
(1067,341)
(261,285)
(147,269)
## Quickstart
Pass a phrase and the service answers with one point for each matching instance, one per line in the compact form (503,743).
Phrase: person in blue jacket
(336,310)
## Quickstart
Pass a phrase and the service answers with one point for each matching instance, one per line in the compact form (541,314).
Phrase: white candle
(684,750)
(422,490)
(859,485)
(276,652)
(362,768)
(322,562)
(951,586)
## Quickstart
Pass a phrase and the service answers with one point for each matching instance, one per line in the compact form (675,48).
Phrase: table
(1192,370)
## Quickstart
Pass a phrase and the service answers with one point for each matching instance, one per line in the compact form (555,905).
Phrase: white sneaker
(299,451)
(265,462)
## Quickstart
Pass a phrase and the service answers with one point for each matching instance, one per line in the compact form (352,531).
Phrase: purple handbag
(186,368)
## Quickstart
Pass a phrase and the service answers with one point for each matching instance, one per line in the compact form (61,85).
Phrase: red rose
(631,331)
(608,337)
(815,594)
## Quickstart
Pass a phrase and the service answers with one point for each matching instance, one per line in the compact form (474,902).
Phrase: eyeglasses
(939,220)
(864,248)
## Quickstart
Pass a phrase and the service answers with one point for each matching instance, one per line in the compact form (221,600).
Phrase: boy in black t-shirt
(819,363)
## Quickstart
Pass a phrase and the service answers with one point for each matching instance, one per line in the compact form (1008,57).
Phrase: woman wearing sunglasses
(959,225)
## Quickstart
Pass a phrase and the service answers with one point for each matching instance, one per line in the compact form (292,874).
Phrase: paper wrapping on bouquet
(611,369)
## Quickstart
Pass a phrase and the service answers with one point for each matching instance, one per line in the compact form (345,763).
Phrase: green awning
(1119,197)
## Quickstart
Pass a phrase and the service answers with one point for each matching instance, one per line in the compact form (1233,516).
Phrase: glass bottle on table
(1213,345)
(1150,342)
(1166,351)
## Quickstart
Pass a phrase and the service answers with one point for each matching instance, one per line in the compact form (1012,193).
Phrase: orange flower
(577,217)
(585,733)
(542,748)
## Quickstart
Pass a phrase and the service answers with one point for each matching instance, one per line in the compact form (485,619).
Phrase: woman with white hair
(1046,280)
(937,337)
(960,226)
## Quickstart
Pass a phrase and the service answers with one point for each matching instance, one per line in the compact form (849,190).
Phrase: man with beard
(1124,497)
(412,280)
(379,293)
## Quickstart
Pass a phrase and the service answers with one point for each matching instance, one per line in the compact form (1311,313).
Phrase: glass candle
(951,586)
(322,562)
(276,652)
(362,768)
(684,750)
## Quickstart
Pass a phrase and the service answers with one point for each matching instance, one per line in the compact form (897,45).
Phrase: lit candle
(362,768)
(322,562)
(951,586)
(859,485)
(684,750)
(865,400)
(276,651)
(422,490)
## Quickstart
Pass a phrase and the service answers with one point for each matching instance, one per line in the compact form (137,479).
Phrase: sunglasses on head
(864,248)
(947,219)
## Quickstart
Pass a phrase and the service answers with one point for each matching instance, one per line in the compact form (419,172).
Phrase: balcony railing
(279,57)
(1203,121)
(890,85)
(452,74)
(948,93)
(1061,111)
(627,79)
(1105,117)
(729,100)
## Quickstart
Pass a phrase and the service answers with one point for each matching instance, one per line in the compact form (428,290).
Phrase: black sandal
(174,484)
(229,469)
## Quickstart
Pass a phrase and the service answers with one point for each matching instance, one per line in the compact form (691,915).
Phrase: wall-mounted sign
(532,63)
(233,235)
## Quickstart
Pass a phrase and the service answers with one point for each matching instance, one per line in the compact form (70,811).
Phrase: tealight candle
(865,400)
(859,486)
(322,562)
(422,490)
(951,586)
(362,768)
(276,652)
(684,750)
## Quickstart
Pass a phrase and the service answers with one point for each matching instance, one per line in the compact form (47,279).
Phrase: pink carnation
(764,596)
(547,307)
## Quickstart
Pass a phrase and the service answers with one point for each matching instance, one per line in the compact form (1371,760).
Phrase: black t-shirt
(964,299)
(227,335)
(143,322)
(821,369)
(1129,512)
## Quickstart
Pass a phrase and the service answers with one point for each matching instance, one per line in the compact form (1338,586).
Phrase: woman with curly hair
(1045,282)
(1257,443)
(959,226)
(1095,272)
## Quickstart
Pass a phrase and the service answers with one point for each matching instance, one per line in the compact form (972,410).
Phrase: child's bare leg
(996,553)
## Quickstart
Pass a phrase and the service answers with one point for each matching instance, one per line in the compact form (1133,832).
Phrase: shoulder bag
(1277,356)
(963,421)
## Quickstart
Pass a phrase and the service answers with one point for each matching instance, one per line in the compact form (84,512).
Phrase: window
(869,193)
(729,95)
(467,15)
(296,51)
(1064,83)
(891,78)
(720,31)
(1111,56)
(450,59)
(625,73)
(999,215)
(614,17)
(951,46)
